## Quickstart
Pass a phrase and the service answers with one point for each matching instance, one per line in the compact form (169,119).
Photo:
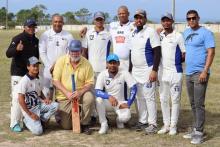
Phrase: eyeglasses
(99,19)
(191,18)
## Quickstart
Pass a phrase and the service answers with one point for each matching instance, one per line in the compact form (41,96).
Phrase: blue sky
(208,9)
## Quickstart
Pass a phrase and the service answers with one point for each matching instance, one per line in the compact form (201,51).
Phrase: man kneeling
(112,80)
(35,107)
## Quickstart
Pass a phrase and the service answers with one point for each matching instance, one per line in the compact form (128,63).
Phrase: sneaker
(189,134)
(119,124)
(103,129)
(173,130)
(197,138)
(163,130)
(139,126)
(86,130)
(16,128)
(151,129)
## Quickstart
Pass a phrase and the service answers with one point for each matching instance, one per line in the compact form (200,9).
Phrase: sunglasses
(99,19)
(191,18)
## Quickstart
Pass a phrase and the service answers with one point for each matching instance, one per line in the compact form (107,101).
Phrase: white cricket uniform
(170,75)
(142,44)
(121,45)
(114,87)
(98,45)
(52,45)
(31,88)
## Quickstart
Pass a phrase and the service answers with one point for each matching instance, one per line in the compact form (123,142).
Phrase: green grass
(57,137)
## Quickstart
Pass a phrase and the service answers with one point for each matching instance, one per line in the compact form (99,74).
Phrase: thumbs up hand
(20,46)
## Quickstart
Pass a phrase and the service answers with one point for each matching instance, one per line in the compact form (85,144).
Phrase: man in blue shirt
(200,51)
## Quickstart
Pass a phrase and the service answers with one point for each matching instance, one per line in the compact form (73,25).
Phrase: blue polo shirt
(197,42)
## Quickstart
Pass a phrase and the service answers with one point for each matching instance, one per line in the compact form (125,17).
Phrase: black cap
(30,22)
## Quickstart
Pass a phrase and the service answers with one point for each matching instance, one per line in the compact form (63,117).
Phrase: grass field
(54,136)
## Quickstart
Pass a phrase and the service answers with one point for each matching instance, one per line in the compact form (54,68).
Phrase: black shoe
(86,130)
(139,126)
(93,121)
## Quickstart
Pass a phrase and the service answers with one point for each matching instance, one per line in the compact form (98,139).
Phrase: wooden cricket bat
(75,110)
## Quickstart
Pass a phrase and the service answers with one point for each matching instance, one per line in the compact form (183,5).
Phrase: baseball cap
(30,22)
(140,12)
(123,115)
(99,15)
(112,57)
(74,45)
(167,15)
(33,60)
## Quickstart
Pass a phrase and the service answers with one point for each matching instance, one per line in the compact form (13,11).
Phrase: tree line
(38,12)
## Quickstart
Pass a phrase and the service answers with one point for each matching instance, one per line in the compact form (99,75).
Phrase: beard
(74,59)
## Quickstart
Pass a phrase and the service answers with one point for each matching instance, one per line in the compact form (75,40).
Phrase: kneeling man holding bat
(110,93)
(73,78)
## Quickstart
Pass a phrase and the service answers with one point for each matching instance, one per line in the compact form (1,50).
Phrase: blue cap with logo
(75,45)
(112,57)
(99,15)
(30,22)
(33,60)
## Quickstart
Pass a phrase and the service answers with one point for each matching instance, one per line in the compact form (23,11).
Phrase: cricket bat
(75,110)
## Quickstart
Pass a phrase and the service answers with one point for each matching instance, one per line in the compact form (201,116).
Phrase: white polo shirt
(172,47)
(31,88)
(52,45)
(120,34)
(115,86)
(98,45)
(142,44)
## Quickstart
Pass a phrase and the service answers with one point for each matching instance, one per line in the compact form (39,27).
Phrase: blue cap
(167,15)
(99,15)
(33,60)
(30,22)
(75,45)
(112,57)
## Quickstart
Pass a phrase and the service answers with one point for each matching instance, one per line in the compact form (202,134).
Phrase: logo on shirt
(120,39)
(161,38)
(190,36)
(120,32)
(107,82)
(91,37)
(148,85)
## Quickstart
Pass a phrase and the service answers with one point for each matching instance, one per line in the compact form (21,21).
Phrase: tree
(107,17)
(22,15)
(83,14)
(115,18)
(69,18)
(38,13)
(3,16)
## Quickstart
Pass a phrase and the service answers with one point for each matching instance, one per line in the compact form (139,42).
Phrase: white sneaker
(120,125)
(189,134)
(163,130)
(103,129)
(173,130)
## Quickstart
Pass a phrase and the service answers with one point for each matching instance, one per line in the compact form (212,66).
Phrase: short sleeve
(154,39)
(209,40)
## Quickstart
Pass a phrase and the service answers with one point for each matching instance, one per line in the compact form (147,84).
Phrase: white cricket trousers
(104,105)
(146,101)
(170,87)
(16,114)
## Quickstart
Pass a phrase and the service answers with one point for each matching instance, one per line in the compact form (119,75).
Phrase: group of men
(141,57)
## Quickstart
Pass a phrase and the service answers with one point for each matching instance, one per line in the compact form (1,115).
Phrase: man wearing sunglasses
(22,47)
(200,51)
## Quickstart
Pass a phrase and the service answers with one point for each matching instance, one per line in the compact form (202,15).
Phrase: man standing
(120,31)
(112,80)
(36,108)
(53,44)
(145,57)
(170,74)
(96,44)
(23,46)
(74,63)
(200,51)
